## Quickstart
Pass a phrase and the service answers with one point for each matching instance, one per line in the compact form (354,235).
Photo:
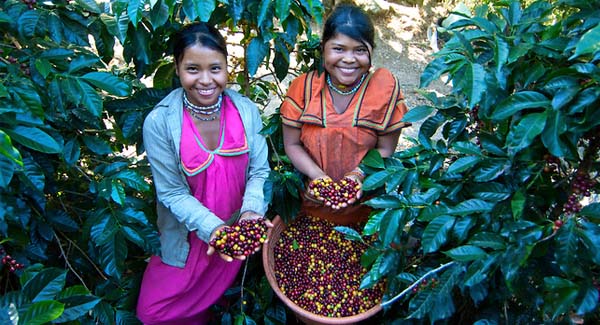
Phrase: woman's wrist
(357,173)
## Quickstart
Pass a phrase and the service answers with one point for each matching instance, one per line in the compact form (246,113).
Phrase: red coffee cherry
(320,271)
(242,238)
(334,194)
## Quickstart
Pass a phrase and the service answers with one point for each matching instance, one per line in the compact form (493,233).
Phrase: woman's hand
(358,176)
(250,215)
(211,249)
(309,193)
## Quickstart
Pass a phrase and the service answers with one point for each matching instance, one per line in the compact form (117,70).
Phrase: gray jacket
(177,210)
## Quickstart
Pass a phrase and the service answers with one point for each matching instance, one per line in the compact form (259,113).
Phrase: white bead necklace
(349,92)
(200,112)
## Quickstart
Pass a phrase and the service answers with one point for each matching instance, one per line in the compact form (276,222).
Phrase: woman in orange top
(332,119)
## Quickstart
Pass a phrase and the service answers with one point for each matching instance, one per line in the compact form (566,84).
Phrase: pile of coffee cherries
(242,238)
(334,194)
(320,271)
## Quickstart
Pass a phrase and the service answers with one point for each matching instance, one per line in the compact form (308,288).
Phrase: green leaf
(501,52)
(90,5)
(135,9)
(488,240)
(433,71)
(377,179)
(589,301)
(41,312)
(112,256)
(374,222)
(256,53)
(7,149)
(349,233)
(567,250)
(97,145)
(467,148)
(588,44)
(462,164)
(418,113)
(518,102)
(282,8)
(466,253)
(491,192)
(35,139)
(384,202)
(555,126)
(71,152)
(262,12)
(525,131)
(7,170)
(436,233)
(373,159)
(471,206)
(517,204)
(117,193)
(389,226)
(591,210)
(199,8)
(104,229)
(562,294)
(28,98)
(133,179)
(45,285)
(475,79)
(76,306)
(133,236)
(488,170)
(108,82)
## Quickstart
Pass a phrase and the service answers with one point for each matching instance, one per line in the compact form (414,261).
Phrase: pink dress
(171,295)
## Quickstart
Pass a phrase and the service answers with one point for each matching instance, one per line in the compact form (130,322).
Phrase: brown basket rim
(268,263)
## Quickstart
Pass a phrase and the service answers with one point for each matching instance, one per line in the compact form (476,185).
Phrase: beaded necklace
(199,112)
(345,93)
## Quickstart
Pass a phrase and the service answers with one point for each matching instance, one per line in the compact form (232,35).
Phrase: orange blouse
(338,142)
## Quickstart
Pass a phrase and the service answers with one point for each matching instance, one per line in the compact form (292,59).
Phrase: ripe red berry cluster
(241,238)
(334,194)
(581,186)
(320,271)
(424,285)
(30,3)
(10,262)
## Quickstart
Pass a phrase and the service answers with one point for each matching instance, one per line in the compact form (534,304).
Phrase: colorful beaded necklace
(345,93)
(199,112)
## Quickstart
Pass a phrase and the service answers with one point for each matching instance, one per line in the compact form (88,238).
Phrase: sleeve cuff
(207,228)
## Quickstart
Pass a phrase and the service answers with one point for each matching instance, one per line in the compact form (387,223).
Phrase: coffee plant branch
(416,283)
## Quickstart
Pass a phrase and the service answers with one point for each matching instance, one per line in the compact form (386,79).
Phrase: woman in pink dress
(209,165)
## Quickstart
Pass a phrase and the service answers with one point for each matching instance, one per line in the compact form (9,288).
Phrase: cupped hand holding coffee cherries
(241,239)
(336,195)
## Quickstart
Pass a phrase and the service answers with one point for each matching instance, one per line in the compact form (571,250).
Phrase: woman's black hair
(351,21)
(199,33)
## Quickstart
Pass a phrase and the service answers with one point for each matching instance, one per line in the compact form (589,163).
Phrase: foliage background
(477,203)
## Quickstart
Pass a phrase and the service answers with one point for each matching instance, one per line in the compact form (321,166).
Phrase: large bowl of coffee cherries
(317,273)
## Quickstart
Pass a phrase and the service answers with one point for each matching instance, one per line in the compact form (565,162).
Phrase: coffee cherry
(10,262)
(334,194)
(240,239)
(320,271)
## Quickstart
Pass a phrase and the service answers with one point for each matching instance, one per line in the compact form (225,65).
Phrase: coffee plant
(77,78)
(497,198)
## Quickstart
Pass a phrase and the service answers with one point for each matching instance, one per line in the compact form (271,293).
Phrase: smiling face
(346,59)
(202,72)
